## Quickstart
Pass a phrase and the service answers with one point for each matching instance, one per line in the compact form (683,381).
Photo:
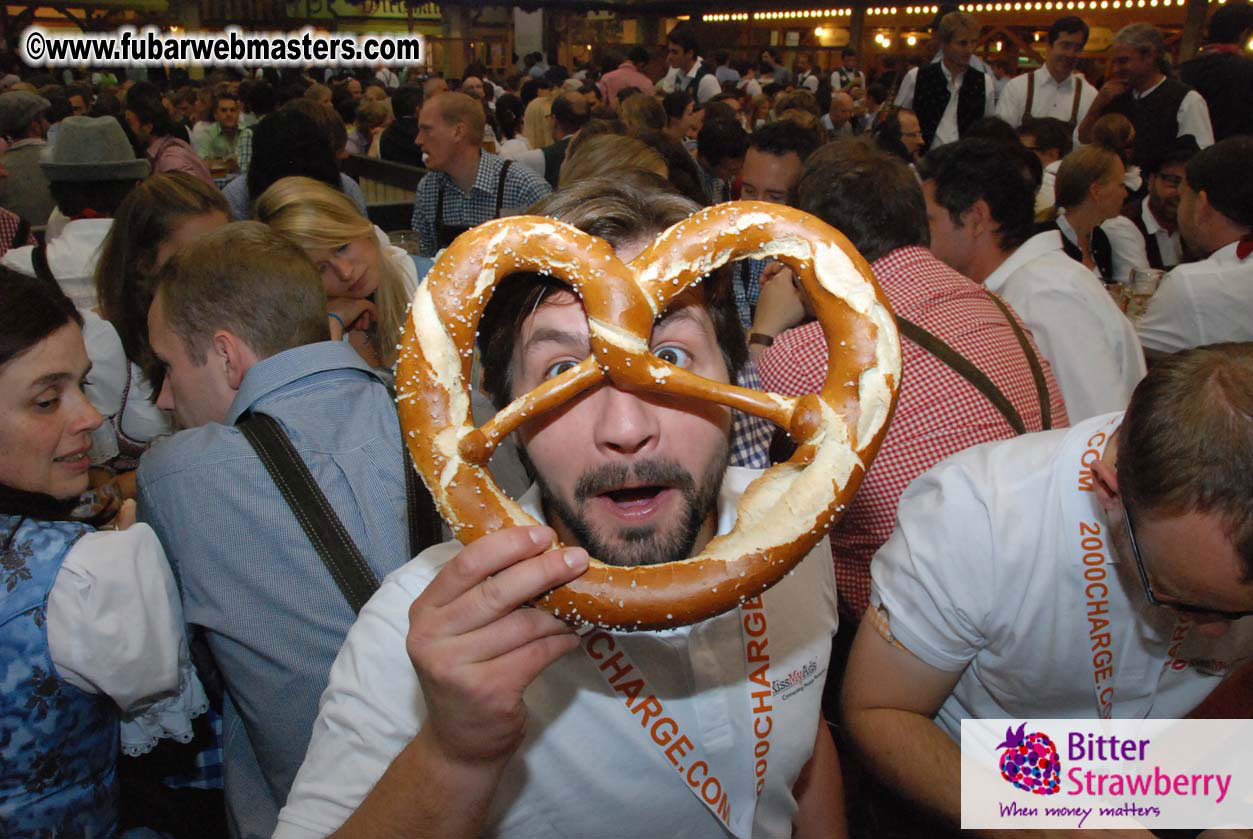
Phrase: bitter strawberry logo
(1030,762)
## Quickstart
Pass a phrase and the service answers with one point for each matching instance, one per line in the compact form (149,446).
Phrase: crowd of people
(230,607)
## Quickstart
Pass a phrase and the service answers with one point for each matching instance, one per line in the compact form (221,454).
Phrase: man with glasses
(1101,571)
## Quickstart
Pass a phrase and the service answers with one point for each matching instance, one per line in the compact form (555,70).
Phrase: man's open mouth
(635,502)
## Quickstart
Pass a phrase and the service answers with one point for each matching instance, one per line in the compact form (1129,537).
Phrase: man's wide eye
(559,368)
(673,355)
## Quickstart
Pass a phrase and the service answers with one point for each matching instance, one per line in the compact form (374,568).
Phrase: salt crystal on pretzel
(781,515)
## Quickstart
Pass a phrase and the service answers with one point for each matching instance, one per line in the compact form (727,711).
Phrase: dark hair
(783,138)
(973,169)
(872,197)
(638,55)
(1220,171)
(877,92)
(1180,152)
(330,126)
(406,100)
(684,173)
(993,128)
(1049,133)
(675,103)
(224,92)
(684,38)
(258,97)
(289,142)
(622,208)
(887,135)
(721,139)
(1230,23)
(345,106)
(1186,441)
(102,197)
(30,311)
(569,114)
(1068,25)
(722,57)
(509,113)
(144,101)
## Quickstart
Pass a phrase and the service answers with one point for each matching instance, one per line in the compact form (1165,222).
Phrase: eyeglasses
(1187,608)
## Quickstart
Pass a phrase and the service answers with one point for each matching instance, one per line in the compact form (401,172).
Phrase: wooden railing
(389,189)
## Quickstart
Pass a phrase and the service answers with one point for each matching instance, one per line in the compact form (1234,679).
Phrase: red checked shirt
(938,413)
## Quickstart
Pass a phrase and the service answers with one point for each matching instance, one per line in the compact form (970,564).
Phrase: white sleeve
(989,95)
(1194,119)
(371,709)
(1085,102)
(666,83)
(1009,106)
(532,159)
(905,96)
(115,622)
(1096,356)
(1127,246)
(811,83)
(943,540)
(708,89)
(1169,324)
(835,80)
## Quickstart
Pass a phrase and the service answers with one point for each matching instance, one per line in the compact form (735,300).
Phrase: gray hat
(18,108)
(92,149)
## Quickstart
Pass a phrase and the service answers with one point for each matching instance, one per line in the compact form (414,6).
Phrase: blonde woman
(1090,191)
(537,128)
(368,281)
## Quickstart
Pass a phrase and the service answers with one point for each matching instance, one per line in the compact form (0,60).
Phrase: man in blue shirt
(239,323)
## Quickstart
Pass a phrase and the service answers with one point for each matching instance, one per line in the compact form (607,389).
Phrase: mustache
(655,472)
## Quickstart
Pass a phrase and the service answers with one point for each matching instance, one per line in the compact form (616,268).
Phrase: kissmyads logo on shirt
(1154,774)
(793,681)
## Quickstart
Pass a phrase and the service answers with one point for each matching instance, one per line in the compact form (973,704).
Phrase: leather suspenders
(1074,109)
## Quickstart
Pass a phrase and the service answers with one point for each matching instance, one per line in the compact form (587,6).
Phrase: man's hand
(779,305)
(476,646)
(1110,91)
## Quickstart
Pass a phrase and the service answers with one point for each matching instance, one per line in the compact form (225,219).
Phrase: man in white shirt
(1146,235)
(838,120)
(1115,569)
(949,95)
(454,711)
(980,208)
(1054,90)
(847,75)
(805,75)
(1210,301)
(1160,108)
(687,70)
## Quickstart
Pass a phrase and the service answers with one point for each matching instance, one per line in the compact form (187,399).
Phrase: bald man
(839,119)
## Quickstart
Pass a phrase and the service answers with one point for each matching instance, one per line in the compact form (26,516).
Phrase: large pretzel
(782,514)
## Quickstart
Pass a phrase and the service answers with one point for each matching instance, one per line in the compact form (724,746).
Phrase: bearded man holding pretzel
(456,710)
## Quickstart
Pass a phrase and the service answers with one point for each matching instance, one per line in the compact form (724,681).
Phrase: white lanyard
(667,735)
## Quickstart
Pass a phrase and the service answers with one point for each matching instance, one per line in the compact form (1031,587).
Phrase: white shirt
(946,131)
(844,130)
(1096,356)
(751,86)
(1193,116)
(1051,98)
(510,149)
(709,85)
(1013,515)
(72,257)
(858,80)
(1200,303)
(115,627)
(585,768)
(1047,196)
(1130,248)
(808,81)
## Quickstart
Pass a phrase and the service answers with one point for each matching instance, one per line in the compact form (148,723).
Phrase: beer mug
(1139,289)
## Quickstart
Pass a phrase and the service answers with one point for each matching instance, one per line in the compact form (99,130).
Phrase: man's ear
(1106,485)
(978,218)
(1204,210)
(234,355)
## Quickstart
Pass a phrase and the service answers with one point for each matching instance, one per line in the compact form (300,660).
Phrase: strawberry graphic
(1030,762)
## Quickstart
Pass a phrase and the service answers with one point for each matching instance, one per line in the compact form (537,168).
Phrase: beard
(649,544)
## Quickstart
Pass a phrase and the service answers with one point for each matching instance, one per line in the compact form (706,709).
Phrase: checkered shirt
(938,414)
(750,435)
(9,224)
(747,288)
(522,189)
(243,151)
